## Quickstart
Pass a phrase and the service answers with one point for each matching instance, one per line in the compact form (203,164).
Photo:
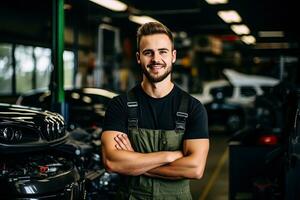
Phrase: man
(155,136)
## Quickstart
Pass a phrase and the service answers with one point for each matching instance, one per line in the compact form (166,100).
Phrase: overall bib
(146,141)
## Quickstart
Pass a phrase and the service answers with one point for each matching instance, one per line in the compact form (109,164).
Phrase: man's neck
(157,90)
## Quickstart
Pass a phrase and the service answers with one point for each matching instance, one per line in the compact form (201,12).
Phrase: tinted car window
(225,91)
(266,89)
(248,91)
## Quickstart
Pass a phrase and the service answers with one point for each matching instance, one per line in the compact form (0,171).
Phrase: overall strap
(182,114)
(132,106)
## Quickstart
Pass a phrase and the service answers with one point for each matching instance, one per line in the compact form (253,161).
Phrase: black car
(86,106)
(28,129)
(31,166)
(222,115)
(264,156)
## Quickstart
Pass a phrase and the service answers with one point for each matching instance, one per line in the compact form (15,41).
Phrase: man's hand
(123,142)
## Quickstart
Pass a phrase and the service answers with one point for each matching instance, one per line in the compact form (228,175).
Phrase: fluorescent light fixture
(273,45)
(230,16)
(113,5)
(248,39)
(141,19)
(182,34)
(67,6)
(240,29)
(214,2)
(271,34)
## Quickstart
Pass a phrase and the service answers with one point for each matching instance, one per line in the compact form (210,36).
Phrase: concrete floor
(214,184)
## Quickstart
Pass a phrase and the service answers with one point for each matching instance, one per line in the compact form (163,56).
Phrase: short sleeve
(197,125)
(116,115)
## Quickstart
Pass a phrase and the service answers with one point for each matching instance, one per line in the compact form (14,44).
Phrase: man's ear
(138,57)
(174,52)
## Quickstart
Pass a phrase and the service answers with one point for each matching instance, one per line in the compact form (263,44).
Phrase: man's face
(156,57)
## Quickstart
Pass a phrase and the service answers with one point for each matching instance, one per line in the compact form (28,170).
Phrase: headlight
(17,135)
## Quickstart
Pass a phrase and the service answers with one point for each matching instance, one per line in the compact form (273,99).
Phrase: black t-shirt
(157,113)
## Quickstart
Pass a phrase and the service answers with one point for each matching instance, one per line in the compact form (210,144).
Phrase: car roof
(240,79)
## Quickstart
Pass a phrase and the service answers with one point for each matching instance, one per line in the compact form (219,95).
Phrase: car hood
(28,129)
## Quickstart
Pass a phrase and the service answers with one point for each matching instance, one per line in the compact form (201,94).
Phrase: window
(24,68)
(248,91)
(222,91)
(43,67)
(33,68)
(68,68)
(6,70)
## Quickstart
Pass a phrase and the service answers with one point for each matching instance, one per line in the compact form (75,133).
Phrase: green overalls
(146,141)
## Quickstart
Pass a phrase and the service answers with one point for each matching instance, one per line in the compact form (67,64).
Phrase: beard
(156,78)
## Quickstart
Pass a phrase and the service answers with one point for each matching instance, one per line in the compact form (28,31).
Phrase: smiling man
(156,135)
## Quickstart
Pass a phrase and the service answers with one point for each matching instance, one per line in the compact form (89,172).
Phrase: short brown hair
(151,28)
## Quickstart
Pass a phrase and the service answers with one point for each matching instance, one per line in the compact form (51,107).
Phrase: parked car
(224,116)
(240,88)
(27,129)
(264,156)
(31,167)
(86,106)
(40,159)
(226,101)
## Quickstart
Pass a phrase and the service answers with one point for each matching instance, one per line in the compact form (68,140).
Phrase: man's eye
(147,53)
(163,52)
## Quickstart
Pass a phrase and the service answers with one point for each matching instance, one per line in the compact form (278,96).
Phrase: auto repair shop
(63,61)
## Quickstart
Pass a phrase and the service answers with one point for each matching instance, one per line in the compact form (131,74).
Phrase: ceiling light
(273,45)
(114,5)
(230,16)
(271,34)
(248,39)
(67,6)
(216,1)
(141,19)
(240,29)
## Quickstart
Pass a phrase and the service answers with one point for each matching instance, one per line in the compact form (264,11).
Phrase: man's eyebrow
(145,50)
(166,49)
(151,50)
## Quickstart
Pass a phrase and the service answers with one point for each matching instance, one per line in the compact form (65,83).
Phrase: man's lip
(155,66)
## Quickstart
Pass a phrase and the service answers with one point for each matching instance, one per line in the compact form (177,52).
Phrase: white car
(239,88)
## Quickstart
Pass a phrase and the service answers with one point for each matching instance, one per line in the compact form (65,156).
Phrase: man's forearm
(184,167)
(133,163)
(118,155)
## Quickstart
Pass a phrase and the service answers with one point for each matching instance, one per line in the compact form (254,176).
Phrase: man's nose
(156,57)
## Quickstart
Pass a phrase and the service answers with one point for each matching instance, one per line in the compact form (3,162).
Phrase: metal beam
(57,80)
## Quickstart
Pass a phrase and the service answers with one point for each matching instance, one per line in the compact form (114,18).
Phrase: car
(26,129)
(224,116)
(240,88)
(226,101)
(86,106)
(31,166)
(264,156)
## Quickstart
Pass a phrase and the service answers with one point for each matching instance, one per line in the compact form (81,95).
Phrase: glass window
(68,68)
(30,60)
(43,67)
(225,91)
(24,68)
(248,91)
(266,89)
(6,70)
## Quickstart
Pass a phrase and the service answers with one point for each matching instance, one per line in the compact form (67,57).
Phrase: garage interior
(73,56)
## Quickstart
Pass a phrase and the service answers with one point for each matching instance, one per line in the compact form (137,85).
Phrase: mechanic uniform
(156,124)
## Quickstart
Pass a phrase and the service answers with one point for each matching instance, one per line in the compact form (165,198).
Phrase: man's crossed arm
(119,156)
